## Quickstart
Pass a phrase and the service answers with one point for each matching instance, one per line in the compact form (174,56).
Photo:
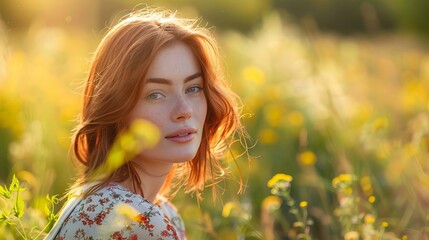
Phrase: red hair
(115,81)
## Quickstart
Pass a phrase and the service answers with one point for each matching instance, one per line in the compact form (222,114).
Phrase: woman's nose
(182,110)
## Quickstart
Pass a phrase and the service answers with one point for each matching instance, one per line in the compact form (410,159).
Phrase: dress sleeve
(173,215)
(110,214)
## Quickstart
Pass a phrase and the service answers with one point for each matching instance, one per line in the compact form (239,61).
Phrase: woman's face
(173,99)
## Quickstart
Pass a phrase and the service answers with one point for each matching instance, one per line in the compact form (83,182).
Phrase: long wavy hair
(113,87)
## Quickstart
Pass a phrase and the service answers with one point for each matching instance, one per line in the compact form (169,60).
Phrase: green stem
(19,220)
(382,233)
(49,222)
(24,236)
(245,223)
(43,230)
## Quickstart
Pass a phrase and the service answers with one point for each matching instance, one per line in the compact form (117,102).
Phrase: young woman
(165,70)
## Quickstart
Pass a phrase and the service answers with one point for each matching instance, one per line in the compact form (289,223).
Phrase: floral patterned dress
(113,212)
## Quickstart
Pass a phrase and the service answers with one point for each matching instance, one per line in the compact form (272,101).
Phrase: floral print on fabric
(113,212)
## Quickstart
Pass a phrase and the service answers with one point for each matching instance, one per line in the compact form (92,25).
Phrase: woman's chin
(183,158)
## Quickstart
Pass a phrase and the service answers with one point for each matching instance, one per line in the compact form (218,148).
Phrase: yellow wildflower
(141,134)
(365,183)
(271,203)
(369,219)
(227,209)
(279,177)
(371,199)
(145,133)
(254,74)
(307,158)
(127,210)
(303,204)
(346,179)
(384,224)
(380,123)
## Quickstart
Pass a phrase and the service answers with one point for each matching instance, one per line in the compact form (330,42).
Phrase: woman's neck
(152,175)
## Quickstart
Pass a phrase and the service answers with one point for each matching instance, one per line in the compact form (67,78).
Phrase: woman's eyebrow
(192,77)
(169,82)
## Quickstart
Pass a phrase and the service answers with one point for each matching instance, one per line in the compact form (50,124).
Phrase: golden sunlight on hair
(115,81)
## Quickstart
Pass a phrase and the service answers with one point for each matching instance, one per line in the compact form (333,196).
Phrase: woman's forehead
(176,60)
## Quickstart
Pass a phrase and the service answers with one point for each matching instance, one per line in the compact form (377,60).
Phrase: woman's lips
(182,136)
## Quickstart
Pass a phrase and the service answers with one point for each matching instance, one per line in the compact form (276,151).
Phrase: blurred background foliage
(328,86)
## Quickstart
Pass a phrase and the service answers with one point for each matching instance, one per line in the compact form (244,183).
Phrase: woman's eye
(194,89)
(154,96)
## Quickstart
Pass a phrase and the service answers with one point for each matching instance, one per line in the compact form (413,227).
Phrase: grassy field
(343,120)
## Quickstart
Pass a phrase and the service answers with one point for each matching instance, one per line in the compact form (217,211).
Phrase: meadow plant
(239,216)
(356,223)
(280,185)
(18,220)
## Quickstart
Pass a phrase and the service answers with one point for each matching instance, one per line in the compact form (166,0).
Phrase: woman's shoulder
(113,211)
(173,215)
(112,196)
